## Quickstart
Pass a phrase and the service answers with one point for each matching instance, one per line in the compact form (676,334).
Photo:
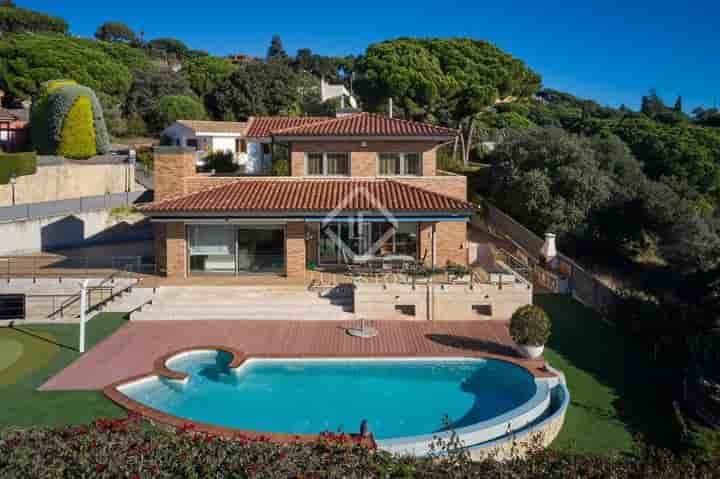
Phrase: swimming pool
(406,401)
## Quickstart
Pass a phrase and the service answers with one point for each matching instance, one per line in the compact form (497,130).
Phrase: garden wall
(69,180)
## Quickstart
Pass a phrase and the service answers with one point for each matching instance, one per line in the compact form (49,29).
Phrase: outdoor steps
(265,303)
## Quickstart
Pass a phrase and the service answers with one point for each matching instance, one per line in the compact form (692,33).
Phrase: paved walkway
(131,350)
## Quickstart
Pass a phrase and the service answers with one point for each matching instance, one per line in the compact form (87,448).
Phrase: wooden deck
(133,349)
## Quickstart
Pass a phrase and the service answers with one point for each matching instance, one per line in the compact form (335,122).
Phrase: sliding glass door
(232,250)
(341,242)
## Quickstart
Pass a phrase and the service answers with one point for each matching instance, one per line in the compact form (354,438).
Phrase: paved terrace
(133,348)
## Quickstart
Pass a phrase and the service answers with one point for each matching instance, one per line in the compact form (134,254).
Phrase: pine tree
(678,105)
(276,51)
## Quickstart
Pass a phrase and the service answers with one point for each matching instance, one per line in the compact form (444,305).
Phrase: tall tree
(304,59)
(115,32)
(276,51)
(678,108)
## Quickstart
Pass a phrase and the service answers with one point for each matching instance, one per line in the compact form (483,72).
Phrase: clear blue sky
(610,51)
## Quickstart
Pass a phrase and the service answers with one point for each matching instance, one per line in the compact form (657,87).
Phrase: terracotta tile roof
(215,126)
(291,195)
(263,126)
(368,124)
(10,115)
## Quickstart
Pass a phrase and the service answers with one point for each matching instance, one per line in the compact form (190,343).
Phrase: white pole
(83,308)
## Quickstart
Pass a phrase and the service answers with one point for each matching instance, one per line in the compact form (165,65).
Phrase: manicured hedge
(21,164)
(130,448)
(78,134)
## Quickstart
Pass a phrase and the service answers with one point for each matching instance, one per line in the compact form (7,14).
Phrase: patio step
(267,303)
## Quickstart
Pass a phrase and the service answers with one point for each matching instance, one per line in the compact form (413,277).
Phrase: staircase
(247,302)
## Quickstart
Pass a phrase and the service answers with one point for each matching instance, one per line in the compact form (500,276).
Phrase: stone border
(160,369)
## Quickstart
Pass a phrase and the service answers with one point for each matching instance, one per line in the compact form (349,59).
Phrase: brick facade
(172,166)
(450,242)
(159,246)
(363,159)
(313,243)
(295,259)
(176,250)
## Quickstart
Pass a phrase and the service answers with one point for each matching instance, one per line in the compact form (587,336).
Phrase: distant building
(240,58)
(14,127)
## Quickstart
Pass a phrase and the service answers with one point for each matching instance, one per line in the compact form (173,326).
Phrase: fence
(44,209)
(581,284)
(41,266)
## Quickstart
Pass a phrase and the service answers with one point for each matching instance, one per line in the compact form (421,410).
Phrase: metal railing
(35,267)
(45,209)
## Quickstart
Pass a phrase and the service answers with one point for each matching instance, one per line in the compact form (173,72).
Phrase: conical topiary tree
(78,134)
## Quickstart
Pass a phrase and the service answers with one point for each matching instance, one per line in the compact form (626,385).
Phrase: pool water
(397,397)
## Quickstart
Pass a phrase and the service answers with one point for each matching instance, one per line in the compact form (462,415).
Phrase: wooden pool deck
(133,349)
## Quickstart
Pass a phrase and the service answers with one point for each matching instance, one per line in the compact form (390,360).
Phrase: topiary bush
(50,110)
(78,134)
(530,326)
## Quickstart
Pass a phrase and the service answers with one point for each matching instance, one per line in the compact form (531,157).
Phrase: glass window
(412,164)
(314,164)
(212,249)
(330,164)
(394,164)
(389,163)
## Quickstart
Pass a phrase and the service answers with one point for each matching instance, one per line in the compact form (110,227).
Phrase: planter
(531,352)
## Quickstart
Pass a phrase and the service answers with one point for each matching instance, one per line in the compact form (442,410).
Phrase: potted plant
(530,329)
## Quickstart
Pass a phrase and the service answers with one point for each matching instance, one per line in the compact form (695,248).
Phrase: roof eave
(438,138)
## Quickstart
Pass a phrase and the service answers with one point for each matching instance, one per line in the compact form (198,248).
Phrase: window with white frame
(327,164)
(399,164)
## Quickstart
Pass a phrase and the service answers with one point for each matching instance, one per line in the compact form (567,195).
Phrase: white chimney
(390,108)
(549,250)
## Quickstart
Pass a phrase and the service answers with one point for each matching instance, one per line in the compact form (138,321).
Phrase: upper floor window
(327,164)
(399,164)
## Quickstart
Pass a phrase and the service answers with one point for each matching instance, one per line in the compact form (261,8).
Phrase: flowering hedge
(131,448)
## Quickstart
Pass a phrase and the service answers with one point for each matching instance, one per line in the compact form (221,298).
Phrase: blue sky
(609,51)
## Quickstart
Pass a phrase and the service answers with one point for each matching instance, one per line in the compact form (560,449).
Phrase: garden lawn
(613,395)
(45,350)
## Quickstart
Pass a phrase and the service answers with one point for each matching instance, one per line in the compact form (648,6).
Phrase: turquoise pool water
(399,398)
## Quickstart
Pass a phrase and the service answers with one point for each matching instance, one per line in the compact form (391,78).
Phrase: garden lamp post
(13,180)
(83,309)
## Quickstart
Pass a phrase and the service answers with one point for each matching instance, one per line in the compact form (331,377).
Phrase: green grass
(47,349)
(613,395)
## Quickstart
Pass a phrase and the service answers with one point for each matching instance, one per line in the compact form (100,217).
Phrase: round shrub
(78,134)
(530,326)
(178,107)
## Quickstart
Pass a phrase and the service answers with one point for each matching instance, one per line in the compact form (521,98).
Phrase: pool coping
(160,370)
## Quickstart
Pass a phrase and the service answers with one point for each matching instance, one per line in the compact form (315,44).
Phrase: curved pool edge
(161,369)
(539,435)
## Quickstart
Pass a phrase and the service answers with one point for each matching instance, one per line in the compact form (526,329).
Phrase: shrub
(221,162)
(78,134)
(130,448)
(51,108)
(280,168)
(179,107)
(530,326)
(21,164)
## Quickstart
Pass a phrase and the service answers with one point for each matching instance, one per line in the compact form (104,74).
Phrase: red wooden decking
(132,350)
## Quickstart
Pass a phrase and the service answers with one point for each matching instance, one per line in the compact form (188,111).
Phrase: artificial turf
(47,349)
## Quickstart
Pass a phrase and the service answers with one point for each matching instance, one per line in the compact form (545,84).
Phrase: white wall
(223,144)
(32,236)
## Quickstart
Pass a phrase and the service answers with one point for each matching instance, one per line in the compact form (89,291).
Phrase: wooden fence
(580,283)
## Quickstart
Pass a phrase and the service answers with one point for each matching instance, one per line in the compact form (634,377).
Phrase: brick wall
(172,166)
(313,230)
(425,243)
(159,238)
(295,250)
(450,242)
(176,250)
(453,186)
(363,161)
